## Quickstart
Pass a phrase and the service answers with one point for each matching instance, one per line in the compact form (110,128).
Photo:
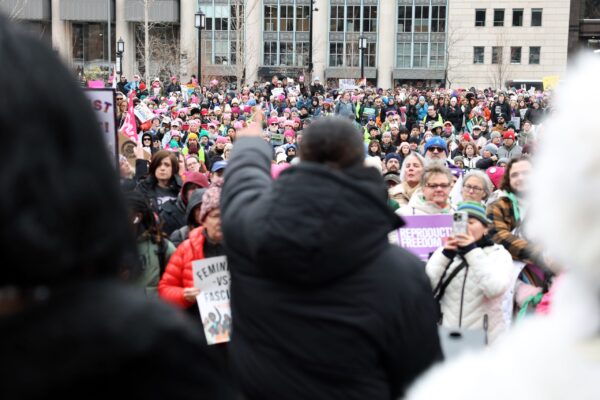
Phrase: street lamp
(200,24)
(119,58)
(362,45)
(310,39)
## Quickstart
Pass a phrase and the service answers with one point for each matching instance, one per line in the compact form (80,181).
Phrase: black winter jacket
(323,306)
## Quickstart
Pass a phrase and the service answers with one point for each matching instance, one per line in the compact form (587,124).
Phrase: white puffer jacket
(476,290)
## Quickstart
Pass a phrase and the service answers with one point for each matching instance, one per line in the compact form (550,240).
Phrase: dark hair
(334,142)
(138,203)
(157,159)
(62,212)
(505,184)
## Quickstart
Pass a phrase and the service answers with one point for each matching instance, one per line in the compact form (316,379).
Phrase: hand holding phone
(460,221)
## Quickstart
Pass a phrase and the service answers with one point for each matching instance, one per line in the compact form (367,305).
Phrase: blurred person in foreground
(554,356)
(323,307)
(68,325)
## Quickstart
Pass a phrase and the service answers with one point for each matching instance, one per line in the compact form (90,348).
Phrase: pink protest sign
(423,234)
(98,84)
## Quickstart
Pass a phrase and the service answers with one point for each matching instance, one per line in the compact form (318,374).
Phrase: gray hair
(412,154)
(435,169)
(488,187)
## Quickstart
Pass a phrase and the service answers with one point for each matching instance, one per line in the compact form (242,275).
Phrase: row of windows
(422,55)
(422,19)
(286,53)
(351,18)
(517,17)
(515,55)
(286,18)
(348,54)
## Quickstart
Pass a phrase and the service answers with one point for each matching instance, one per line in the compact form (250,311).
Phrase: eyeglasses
(475,189)
(437,185)
(435,149)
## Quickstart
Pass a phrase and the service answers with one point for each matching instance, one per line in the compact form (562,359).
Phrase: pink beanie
(495,174)
(222,139)
(210,200)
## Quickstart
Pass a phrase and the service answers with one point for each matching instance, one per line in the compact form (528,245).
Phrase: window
(370,52)
(227,18)
(352,54)
(480,17)
(536,17)
(499,17)
(517,17)
(420,55)
(515,55)
(534,55)
(370,19)
(421,18)
(437,56)
(302,18)
(270,18)
(405,19)
(336,54)
(337,19)
(301,54)
(270,53)
(403,55)
(438,19)
(221,17)
(496,55)
(286,22)
(353,19)
(478,55)
(286,53)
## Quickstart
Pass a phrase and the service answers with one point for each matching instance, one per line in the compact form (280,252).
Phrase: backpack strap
(441,288)
(161,252)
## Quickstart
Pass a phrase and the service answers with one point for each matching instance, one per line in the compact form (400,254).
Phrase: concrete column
(124,30)
(320,39)
(188,39)
(61,34)
(386,42)
(253,44)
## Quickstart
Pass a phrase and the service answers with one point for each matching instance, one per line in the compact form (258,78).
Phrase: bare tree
(158,50)
(14,8)
(500,67)
(453,61)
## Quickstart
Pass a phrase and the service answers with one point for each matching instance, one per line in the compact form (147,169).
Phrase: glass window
(534,55)
(420,55)
(287,19)
(237,16)
(370,19)
(301,54)
(286,53)
(352,54)
(421,18)
(337,19)
(336,54)
(270,18)
(221,18)
(499,17)
(480,17)
(438,19)
(515,55)
(221,49)
(478,55)
(536,17)
(496,55)
(517,17)
(353,19)
(437,55)
(403,55)
(405,19)
(370,54)
(302,18)
(270,53)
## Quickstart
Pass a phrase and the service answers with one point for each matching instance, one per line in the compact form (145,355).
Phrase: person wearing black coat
(500,107)
(323,306)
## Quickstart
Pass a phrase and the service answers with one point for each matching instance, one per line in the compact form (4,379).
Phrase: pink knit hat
(210,200)
(495,174)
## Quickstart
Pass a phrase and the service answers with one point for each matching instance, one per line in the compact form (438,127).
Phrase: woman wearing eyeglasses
(476,187)
(433,197)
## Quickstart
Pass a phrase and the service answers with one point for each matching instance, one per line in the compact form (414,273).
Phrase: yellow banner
(550,82)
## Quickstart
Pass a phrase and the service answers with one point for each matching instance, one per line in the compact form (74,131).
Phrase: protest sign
(277,91)
(277,139)
(143,113)
(212,277)
(347,84)
(97,84)
(550,82)
(103,104)
(423,234)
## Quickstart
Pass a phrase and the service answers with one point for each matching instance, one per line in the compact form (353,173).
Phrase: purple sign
(423,234)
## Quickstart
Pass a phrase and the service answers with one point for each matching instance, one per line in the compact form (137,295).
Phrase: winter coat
(345,109)
(178,274)
(174,214)
(500,108)
(181,234)
(148,186)
(323,307)
(534,116)
(454,115)
(95,333)
(476,290)
(148,252)
(402,193)
(513,152)
(471,163)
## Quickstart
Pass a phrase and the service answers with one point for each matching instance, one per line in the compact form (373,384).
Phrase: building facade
(509,43)
(416,42)
(584,26)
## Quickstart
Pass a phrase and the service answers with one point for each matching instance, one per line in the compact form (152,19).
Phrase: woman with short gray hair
(476,186)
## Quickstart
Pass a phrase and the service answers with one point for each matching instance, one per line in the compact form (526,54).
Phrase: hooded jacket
(173,213)
(178,236)
(323,307)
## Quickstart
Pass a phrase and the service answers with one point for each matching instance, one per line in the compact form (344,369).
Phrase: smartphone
(460,221)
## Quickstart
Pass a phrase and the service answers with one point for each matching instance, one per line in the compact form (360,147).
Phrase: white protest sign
(212,277)
(103,104)
(347,84)
(277,91)
(143,113)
